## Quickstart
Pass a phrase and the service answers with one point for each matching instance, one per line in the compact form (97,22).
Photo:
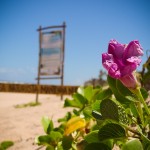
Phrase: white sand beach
(22,125)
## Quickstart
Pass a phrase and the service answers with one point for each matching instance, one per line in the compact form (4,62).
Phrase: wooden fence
(32,88)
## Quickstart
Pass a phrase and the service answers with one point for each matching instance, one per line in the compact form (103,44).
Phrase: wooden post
(63,57)
(39,65)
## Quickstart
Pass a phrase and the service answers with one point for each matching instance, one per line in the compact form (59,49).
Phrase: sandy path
(22,125)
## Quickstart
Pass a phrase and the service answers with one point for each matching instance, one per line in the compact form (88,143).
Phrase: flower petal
(110,65)
(129,81)
(107,60)
(122,60)
(134,60)
(116,49)
(128,69)
(133,49)
(114,72)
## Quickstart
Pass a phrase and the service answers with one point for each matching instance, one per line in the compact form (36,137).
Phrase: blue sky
(90,26)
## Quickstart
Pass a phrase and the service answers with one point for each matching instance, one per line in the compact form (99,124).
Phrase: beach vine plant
(6,145)
(116,115)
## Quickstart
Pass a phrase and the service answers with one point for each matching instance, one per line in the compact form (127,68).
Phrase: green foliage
(31,104)
(101,118)
(78,101)
(53,135)
(124,91)
(43,140)
(5,145)
(104,94)
(111,130)
(119,94)
(92,137)
(67,142)
(133,144)
(145,142)
(96,146)
(97,115)
(112,112)
(145,74)
(65,118)
(47,124)
(83,97)
(144,93)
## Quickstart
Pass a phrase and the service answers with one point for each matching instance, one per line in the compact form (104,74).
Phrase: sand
(22,125)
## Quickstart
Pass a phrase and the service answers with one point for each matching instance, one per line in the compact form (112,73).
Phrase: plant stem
(140,111)
(138,93)
(130,129)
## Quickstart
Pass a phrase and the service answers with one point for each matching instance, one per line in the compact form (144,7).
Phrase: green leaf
(52,139)
(104,94)
(66,118)
(76,112)
(133,144)
(145,142)
(67,142)
(87,111)
(132,98)
(97,115)
(144,93)
(60,128)
(72,103)
(43,140)
(79,98)
(47,124)
(59,147)
(134,110)
(112,83)
(80,90)
(111,131)
(78,101)
(55,136)
(109,143)
(88,93)
(83,97)
(95,92)
(109,110)
(97,146)
(96,105)
(50,147)
(6,144)
(124,91)
(123,118)
(92,137)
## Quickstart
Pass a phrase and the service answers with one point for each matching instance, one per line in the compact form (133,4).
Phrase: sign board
(51,53)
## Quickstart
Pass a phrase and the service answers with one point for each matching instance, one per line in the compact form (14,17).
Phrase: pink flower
(121,60)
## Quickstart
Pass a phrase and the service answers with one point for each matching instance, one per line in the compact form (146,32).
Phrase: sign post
(51,54)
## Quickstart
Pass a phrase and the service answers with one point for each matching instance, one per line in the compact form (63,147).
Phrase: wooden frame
(63,26)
